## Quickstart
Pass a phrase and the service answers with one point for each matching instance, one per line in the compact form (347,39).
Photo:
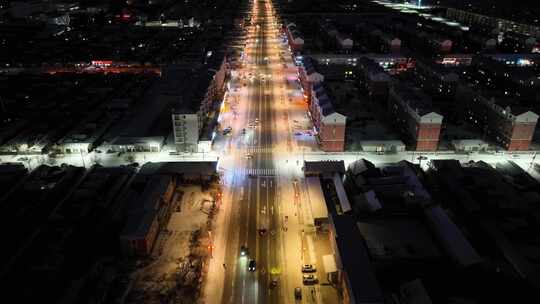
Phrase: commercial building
(137,144)
(329,125)
(308,76)
(197,93)
(86,135)
(413,113)
(295,38)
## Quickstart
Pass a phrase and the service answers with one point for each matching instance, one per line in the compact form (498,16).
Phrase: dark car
(252,266)
(298,293)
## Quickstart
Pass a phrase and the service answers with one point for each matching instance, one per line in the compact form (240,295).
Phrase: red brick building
(308,77)
(329,125)
(296,42)
(150,212)
(510,126)
(413,115)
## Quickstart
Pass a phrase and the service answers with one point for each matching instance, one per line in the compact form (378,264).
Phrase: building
(392,63)
(329,125)
(440,82)
(353,270)
(308,76)
(335,38)
(137,144)
(150,211)
(374,79)
(502,25)
(295,38)
(508,124)
(86,135)
(197,93)
(413,114)
(495,204)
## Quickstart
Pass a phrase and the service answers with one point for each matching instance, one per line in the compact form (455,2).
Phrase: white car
(309,279)
(308,268)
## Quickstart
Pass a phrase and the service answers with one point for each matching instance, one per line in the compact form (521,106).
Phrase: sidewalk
(214,278)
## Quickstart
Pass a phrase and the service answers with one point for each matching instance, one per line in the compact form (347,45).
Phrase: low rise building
(508,124)
(414,115)
(85,136)
(374,79)
(329,125)
(296,40)
(137,144)
(149,213)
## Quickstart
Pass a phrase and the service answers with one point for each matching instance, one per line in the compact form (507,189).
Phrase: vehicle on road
(252,265)
(298,293)
(309,279)
(262,231)
(227,130)
(273,283)
(249,155)
(308,268)
(243,131)
(244,250)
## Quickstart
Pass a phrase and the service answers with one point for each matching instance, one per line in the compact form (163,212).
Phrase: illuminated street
(261,210)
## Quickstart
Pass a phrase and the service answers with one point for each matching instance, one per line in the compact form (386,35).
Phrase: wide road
(254,217)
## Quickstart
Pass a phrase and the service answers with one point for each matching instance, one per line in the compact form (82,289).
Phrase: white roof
(528,116)
(316,198)
(329,263)
(431,117)
(334,118)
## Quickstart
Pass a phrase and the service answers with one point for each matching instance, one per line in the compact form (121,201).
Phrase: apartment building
(413,114)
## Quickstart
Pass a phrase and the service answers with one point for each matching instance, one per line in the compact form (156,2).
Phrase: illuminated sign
(102,63)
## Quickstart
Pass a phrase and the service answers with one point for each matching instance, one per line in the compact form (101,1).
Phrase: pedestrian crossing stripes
(254,150)
(257,172)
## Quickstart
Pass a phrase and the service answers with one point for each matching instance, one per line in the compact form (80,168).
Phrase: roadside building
(197,92)
(308,77)
(137,144)
(413,114)
(86,135)
(329,125)
(149,213)
(296,40)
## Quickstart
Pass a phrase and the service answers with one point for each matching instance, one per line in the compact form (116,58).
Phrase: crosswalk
(256,171)
(254,150)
